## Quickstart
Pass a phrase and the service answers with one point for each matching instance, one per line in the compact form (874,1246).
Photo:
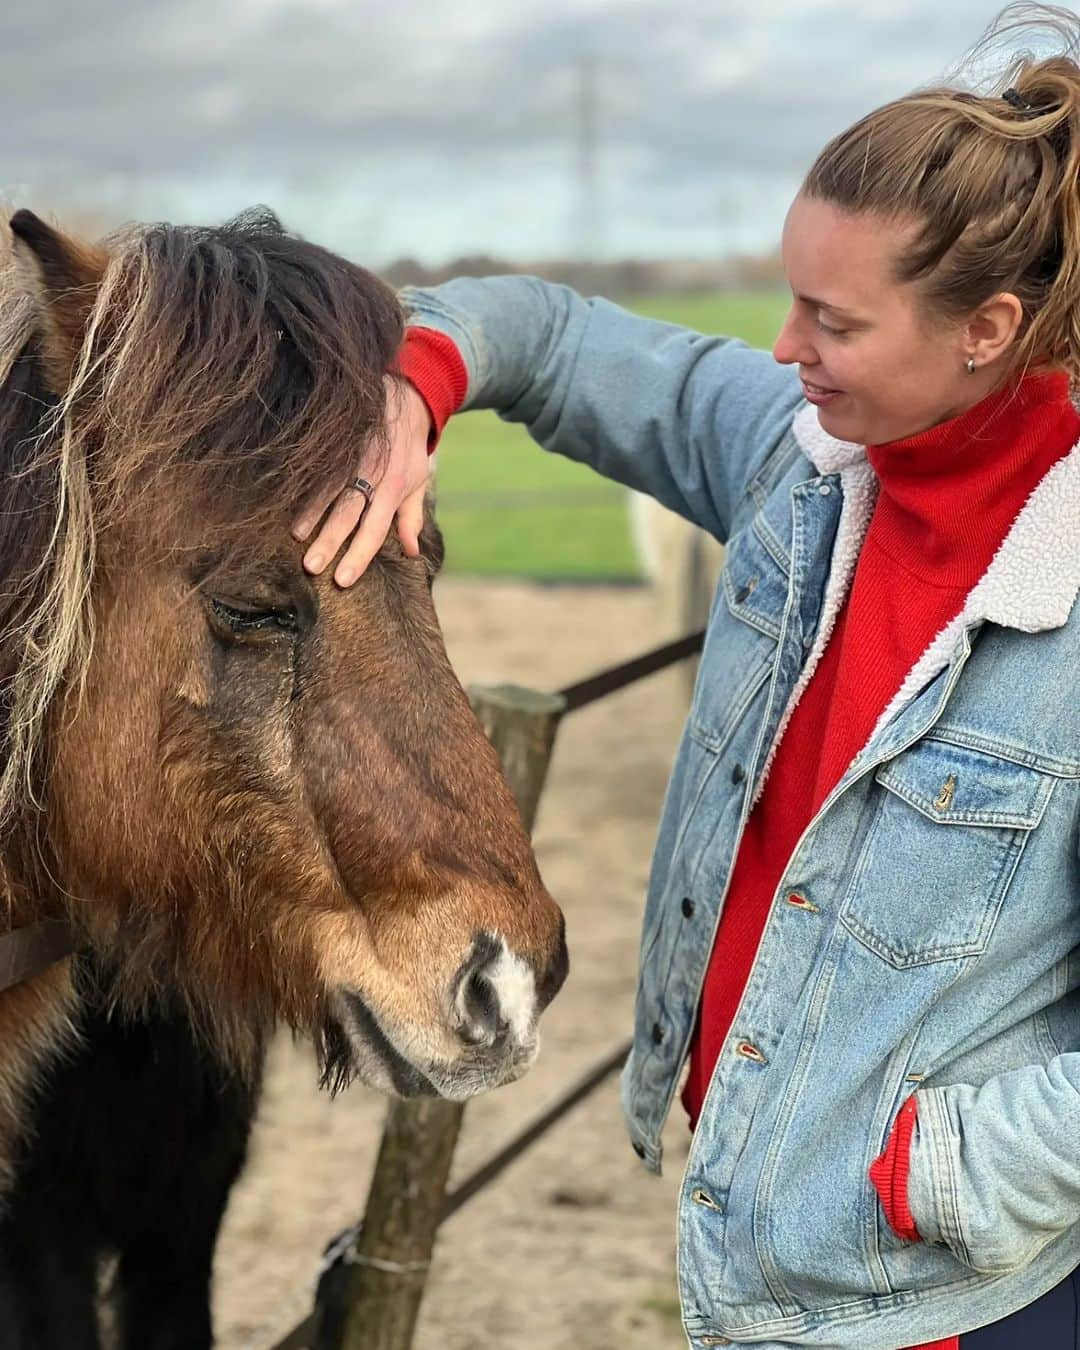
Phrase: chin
(353,1047)
(843,426)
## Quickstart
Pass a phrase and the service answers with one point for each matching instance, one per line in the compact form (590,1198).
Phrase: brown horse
(253,790)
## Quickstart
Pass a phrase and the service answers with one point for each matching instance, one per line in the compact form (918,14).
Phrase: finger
(367,541)
(410,521)
(339,524)
(312,512)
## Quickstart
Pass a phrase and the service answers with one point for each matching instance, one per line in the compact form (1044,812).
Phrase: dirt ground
(573,1246)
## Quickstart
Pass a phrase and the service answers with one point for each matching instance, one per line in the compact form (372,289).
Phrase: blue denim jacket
(940,948)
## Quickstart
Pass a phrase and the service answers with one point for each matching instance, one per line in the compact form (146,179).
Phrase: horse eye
(241,618)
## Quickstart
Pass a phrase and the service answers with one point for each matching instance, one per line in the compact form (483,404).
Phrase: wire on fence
(300,1338)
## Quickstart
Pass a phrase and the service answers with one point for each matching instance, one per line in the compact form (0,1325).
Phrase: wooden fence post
(380,1298)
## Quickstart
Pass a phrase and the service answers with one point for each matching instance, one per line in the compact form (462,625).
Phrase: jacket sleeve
(685,418)
(995,1170)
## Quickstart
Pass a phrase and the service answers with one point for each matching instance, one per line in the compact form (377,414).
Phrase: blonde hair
(992,184)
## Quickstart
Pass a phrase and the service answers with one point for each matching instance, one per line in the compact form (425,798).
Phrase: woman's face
(871,360)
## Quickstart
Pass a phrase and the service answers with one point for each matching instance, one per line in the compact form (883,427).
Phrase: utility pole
(588,239)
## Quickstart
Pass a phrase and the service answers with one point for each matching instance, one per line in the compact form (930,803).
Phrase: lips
(407,1079)
(819,395)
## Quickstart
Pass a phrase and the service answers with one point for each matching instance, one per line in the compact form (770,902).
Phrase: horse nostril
(479,1018)
(482,1024)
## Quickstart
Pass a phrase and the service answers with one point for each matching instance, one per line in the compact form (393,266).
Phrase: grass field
(508,508)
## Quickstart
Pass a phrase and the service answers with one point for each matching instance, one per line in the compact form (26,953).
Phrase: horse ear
(64,275)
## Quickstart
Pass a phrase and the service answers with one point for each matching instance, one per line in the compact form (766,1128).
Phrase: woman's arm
(686,418)
(683,417)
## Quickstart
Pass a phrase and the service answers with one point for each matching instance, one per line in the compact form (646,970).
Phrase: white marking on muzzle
(515,988)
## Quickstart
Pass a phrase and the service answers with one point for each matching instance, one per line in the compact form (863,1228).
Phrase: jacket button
(738,773)
(749,1051)
(687,907)
(801,902)
(657,1033)
(701,1197)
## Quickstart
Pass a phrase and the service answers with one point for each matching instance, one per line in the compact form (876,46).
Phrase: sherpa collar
(1033,580)
(1031,583)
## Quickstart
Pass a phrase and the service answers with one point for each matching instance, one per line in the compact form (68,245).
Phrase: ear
(993,327)
(63,275)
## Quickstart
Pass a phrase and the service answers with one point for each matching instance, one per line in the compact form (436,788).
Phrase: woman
(863,923)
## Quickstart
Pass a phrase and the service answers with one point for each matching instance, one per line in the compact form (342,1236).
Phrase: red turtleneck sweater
(947,498)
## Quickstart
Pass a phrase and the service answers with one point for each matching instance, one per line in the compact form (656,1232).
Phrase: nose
(478,1014)
(496,993)
(788,347)
(551,981)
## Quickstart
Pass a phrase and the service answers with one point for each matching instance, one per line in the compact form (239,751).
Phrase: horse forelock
(226,375)
(238,370)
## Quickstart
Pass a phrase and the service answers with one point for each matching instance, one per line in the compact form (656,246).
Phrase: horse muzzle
(489,1018)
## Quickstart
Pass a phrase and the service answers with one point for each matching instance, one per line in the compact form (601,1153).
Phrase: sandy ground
(573,1247)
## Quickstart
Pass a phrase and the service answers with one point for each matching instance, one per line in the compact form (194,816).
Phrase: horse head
(242,782)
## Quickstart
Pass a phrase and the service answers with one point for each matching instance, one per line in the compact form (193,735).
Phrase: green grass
(508,508)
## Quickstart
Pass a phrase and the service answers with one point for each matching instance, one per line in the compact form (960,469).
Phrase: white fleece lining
(1031,583)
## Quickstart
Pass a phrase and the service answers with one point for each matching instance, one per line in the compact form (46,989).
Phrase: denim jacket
(939,951)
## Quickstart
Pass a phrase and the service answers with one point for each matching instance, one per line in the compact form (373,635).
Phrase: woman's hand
(399,490)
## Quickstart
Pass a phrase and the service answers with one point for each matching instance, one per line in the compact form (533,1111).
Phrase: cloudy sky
(431,128)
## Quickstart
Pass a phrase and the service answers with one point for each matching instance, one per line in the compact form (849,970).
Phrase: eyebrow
(824,304)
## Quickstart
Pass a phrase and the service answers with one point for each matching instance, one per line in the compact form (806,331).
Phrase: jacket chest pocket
(947,830)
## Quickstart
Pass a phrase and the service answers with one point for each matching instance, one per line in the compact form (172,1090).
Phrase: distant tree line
(630,276)
(626,277)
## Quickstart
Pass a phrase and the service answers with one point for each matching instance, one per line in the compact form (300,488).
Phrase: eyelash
(832,332)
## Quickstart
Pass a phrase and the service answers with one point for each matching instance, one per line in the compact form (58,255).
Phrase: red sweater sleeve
(431,362)
(889,1172)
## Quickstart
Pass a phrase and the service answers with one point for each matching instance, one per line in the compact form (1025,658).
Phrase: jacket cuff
(431,362)
(889,1173)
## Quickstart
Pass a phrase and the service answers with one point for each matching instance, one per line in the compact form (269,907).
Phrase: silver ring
(362,485)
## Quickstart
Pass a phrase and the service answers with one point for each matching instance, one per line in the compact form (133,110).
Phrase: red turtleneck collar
(948,491)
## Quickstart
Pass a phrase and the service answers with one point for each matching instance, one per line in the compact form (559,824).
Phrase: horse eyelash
(256,619)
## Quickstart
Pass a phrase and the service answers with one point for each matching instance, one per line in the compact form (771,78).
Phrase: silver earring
(971,365)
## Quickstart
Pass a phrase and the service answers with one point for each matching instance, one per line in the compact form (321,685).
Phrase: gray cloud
(429,127)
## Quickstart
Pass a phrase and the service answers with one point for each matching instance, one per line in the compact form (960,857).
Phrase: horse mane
(225,374)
